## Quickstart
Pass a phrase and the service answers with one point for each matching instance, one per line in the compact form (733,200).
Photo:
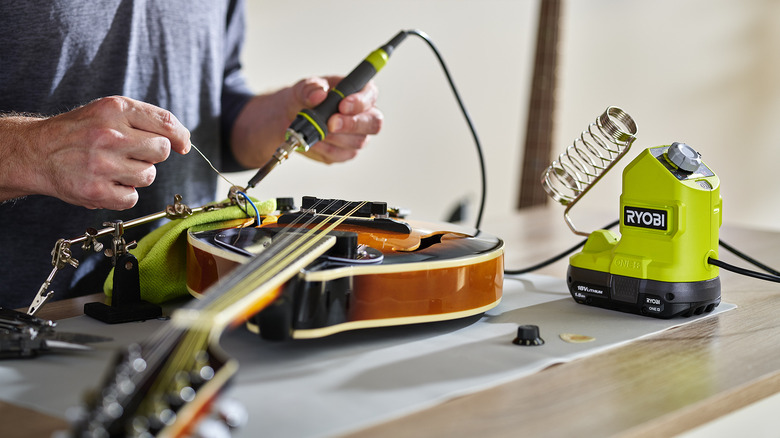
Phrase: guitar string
(289,253)
(159,343)
(305,244)
(213,299)
(285,242)
(277,263)
(289,226)
(162,342)
(197,340)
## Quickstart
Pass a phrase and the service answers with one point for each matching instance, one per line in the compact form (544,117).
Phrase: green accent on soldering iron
(313,123)
(378,58)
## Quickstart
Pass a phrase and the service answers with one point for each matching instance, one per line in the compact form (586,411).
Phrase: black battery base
(658,299)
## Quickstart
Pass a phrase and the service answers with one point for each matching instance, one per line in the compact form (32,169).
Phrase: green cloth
(162,254)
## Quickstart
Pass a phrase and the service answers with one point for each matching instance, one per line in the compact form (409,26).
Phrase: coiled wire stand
(588,159)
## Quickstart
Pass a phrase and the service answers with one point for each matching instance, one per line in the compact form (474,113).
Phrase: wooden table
(656,386)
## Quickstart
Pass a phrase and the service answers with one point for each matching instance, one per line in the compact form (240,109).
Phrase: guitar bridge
(374,215)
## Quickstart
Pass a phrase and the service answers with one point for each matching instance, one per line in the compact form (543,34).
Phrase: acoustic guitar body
(380,273)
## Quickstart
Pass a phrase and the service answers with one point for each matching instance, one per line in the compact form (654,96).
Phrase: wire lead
(212,166)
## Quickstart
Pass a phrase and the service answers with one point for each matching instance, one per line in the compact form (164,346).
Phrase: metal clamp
(177,210)
(62,255)
(118,245)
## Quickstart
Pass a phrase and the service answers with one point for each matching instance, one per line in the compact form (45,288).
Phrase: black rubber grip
(357,79)
(312,124)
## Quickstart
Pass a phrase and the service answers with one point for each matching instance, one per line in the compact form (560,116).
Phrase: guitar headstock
(159,388)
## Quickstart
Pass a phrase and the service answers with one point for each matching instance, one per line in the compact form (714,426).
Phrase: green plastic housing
(669,224)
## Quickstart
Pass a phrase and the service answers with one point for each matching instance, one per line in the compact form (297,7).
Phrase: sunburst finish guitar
(332,266)
(381,272)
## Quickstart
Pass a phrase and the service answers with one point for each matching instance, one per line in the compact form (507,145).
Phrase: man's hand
(260,127)
(94,156)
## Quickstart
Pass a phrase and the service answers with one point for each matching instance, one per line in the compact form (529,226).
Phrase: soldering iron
(311,125)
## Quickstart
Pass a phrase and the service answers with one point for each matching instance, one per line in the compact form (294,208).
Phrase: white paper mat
(335,385)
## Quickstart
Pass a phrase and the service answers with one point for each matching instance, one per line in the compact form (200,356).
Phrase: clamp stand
(126,303)
(62,256)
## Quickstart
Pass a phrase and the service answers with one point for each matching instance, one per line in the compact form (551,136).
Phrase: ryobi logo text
(644,218)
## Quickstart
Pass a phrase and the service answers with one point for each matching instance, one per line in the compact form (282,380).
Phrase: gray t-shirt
(56,55)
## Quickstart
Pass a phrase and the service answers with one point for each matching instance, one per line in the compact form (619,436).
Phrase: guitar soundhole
(429,241)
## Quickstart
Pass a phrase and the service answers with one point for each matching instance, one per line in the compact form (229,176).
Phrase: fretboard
(538,137)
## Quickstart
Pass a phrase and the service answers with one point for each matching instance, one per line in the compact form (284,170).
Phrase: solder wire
(212,166)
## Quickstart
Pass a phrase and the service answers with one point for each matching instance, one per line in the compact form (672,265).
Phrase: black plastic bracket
(126,303)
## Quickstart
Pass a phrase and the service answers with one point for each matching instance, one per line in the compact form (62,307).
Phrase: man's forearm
(17,148)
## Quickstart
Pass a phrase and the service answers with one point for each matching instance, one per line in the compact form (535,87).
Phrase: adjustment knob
(528,335)
(684,157)
(285,204)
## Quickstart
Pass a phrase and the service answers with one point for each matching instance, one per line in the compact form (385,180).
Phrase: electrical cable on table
(470,124)
(773,275)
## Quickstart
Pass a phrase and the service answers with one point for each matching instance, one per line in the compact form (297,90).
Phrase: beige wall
(700,71)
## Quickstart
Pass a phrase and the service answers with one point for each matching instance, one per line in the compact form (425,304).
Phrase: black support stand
(126,304)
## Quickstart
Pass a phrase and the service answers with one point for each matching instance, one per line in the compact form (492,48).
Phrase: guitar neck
(178,359)
(538,140)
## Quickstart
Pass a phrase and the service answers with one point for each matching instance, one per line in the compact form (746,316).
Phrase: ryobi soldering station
(670,215)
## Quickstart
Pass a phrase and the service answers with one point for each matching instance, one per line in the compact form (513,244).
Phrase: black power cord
(555,258)
(747,272)
(747,258)
(470,124)
(773,275)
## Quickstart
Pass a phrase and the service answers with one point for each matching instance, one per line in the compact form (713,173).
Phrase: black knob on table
(528,335)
